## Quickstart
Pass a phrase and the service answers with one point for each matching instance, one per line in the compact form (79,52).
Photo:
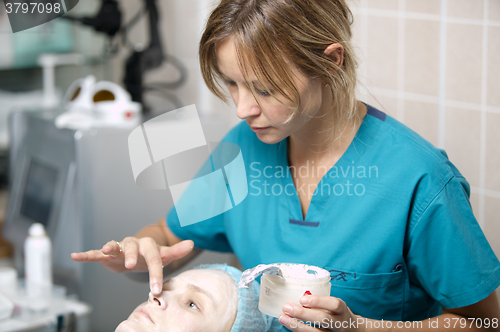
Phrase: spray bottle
(38,267)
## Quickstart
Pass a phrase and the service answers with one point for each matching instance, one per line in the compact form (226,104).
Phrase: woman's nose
(246,105)
(159,300)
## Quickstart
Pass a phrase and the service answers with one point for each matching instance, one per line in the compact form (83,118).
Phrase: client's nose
(158,300)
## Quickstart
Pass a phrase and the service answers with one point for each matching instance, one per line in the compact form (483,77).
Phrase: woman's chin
(269,138)
(128,326)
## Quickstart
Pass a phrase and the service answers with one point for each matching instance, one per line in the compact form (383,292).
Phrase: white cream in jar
(297,280)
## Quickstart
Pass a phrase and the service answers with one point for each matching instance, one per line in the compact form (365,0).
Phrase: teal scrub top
(391,221)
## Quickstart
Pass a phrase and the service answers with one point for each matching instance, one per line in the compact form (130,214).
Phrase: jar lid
(301,273)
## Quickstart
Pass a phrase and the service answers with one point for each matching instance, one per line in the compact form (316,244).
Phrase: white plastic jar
(298,280)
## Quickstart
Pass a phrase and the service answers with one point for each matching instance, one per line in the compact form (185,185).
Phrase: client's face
(195,300)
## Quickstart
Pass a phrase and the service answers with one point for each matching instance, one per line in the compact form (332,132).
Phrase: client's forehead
(214,282)
(201,274)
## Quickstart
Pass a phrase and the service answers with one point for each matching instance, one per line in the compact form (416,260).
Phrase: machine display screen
(38,193)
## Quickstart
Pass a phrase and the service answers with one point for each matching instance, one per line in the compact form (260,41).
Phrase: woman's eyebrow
(201,290)
(227,78)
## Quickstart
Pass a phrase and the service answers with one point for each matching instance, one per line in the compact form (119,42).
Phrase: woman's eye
(264,93)
(193,305)
(230,83)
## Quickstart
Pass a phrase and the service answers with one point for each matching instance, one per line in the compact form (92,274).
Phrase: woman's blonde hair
(265,30)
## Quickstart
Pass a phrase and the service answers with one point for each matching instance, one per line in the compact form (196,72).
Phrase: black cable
(182,71)
(124,31)
(140,61)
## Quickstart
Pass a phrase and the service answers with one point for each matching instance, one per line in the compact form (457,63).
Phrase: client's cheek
(140,306)
(130,317)
(219,320)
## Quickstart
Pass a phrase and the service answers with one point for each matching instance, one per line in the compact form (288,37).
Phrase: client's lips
(143,312)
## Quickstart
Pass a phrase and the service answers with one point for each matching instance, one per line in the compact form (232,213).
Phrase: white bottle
(38,267)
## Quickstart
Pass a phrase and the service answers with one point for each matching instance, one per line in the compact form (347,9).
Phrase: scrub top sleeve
(208,234)
(447,252)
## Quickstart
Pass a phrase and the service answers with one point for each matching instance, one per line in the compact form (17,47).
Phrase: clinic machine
(79,184)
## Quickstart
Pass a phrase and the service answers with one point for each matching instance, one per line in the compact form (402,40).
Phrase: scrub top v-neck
(329,186)
(391,221)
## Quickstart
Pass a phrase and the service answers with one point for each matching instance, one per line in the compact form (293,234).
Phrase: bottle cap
(36,229)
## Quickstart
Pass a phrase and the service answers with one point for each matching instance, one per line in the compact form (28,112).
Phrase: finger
(130,250)
(150,251)
(297,325)
(334,305)
(308,315)
(179,250)
(111,248)
(88,256)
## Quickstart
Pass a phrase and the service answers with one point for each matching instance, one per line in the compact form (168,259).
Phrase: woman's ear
(336,53)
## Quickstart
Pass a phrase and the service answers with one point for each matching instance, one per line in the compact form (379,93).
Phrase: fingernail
(189,244)
(304,300)
(127,263)
(156,289)
(287,309)
(284,319)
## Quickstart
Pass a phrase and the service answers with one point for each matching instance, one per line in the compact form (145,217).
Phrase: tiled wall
(435,66)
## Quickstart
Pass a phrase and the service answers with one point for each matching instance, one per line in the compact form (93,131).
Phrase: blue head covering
(248,318)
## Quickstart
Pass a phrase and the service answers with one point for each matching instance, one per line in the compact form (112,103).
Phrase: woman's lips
(143,312)
(259,129)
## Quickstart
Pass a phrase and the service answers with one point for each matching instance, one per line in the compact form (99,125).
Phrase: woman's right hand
(137,254)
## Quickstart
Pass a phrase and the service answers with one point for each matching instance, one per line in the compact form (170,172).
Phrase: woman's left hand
(320,313)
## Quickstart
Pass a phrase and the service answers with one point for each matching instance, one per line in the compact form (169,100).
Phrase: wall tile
(382,52)
(423,118)
(466,8)
(492,223)
(463,62)
(424,6)
(492,151)
(189,92)
(494,10)
(422,57)
(385,104)
(493,66)
(492,227)
(462,142)
(353,4)
(188,27)
(474,200)
(359,48)
(383,4)
(356,29)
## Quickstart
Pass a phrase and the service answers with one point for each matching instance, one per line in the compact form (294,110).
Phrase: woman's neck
(319,140)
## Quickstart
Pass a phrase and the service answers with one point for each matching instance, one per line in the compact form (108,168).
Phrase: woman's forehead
(231,67)
(227,60)
(205,278)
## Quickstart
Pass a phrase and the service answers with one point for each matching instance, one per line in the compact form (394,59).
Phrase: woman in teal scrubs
(332,182)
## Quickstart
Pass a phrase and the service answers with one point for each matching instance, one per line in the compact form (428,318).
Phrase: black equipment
(109,21)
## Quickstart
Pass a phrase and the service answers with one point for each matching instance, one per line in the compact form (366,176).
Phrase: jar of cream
(297,281)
